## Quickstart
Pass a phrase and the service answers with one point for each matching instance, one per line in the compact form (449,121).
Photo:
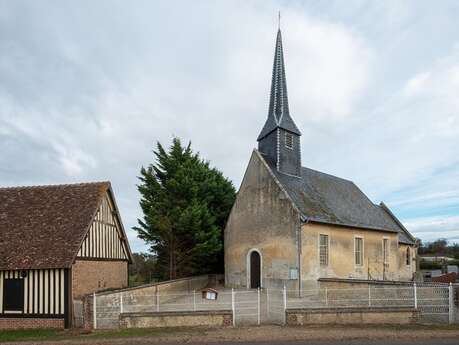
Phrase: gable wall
(103,240)
(341,255)
(102,261)
(264,219)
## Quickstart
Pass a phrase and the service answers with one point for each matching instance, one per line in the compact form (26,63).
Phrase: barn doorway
(255,269)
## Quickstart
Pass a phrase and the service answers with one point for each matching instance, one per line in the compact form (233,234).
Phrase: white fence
(435,303)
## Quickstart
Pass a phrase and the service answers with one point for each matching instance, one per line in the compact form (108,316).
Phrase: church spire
(279,140)
(278,112)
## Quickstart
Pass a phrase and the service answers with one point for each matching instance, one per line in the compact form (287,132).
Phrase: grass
(29,334)
(55,335)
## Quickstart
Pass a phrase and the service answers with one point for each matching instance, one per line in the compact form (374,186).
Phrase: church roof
(325,198)
(278,112)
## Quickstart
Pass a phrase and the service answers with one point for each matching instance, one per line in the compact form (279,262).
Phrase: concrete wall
(176,319)
(303,317)
(89,276)
(341,255)
(262,218)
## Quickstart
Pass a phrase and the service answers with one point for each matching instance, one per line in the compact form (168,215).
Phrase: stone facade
(262,219)
(95,275)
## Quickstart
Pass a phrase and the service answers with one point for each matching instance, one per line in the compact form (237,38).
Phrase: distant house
(436,259)
(297,227)
(57,244)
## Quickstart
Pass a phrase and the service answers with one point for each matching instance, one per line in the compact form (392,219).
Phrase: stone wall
(341,262)
(177,319)
(303,317)
(90,276)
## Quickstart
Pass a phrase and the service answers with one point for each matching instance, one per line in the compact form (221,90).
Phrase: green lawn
(50,334)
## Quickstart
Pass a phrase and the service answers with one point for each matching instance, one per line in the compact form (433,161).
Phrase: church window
(408,256)
(358,251)
(289,141)
(386,251)
(323,250)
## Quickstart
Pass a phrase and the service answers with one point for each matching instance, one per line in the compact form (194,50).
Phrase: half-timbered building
(57,244)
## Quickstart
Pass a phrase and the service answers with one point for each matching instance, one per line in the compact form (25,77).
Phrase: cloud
(86,90)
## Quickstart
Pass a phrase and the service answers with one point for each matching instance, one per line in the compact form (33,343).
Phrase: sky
(87,88)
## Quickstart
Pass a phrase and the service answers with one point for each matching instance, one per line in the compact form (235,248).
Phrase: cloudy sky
(88,87)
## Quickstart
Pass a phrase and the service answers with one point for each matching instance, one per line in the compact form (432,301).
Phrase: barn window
(358,251)
(408,256)
(386,251)
(323,250)
(13,298)
(289,141)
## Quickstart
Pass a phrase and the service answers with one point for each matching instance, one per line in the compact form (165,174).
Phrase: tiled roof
(43,226)
(325,198)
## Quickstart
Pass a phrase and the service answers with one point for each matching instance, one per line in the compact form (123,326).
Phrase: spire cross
(279,18)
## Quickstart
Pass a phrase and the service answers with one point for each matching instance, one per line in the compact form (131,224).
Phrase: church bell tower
(279,140)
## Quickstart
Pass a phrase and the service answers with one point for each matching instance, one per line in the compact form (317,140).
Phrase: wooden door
(255,270)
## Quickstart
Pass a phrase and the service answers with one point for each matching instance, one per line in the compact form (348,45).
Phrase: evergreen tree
(185,206)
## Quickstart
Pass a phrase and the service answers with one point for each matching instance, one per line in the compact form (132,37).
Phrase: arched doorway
(255,269)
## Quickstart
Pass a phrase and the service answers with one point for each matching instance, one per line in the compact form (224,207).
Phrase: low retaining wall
(300,317)
(222,318)
(30,323)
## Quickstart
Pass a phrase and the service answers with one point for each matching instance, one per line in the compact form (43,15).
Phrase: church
(296,227)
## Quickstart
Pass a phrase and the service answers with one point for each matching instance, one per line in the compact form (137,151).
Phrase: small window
(408,256)
(13,298)
(289,141)
(386,251)
(358,251)
(323,250)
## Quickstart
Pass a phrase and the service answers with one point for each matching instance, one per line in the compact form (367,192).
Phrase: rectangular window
(323,250)
(358,251)
(13,295)
(289,141)
(386,251)
(408,257)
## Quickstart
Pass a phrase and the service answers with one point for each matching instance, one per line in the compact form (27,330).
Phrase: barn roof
(44,226)
(325,198)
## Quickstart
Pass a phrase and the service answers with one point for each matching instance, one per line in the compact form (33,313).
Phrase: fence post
(233,307)
(157,302)
(267,302)
(121,303)
(258,300)
(369,295)
(415,296)
(194,300)
(285,304)
(94,316)
(451,304)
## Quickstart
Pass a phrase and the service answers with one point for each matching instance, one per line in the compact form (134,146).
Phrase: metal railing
(434,303)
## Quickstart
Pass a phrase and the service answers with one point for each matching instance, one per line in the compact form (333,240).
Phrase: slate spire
(278,112)
(279,140)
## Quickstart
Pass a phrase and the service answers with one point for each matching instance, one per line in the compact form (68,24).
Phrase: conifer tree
(185,206)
